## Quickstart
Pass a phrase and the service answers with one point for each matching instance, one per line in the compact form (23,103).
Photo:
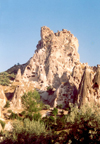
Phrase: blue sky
(21,20)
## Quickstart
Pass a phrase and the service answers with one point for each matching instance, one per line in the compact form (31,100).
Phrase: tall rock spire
(55,55)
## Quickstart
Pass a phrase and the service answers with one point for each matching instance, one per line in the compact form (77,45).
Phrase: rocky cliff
(54,59)
(56,64)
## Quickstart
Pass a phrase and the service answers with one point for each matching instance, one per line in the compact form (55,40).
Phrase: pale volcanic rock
(66,93)
(55,55)
(97,78)
(20,89)
(89,90)
(56,63)
(84,87)
(16,101)
(2,97)
(18,76)
(2,100)
(77,74)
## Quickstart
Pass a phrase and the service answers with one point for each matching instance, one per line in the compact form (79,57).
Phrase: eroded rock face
(19,92)
(89,88)
(56,63)
(2,97)
(65,94)
(54,58)
(85,88)
(18,76)
(16,101)
(2,100)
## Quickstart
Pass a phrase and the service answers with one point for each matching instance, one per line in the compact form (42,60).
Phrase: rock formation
(2,100)
(54,59)
(56,63)
(16,101)
(85,87)
(18,76)
(20,89)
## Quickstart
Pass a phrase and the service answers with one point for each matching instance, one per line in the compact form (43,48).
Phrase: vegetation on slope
(77,126)
(5,78)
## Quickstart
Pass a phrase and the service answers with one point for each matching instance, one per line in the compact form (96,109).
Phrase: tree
(31,101)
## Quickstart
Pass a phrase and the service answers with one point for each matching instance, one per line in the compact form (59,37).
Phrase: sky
(21,21)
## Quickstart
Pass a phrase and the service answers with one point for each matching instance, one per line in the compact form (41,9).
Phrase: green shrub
(5,78)
(61,123)
(59,106)
(49,121)
(27,132)
(2,123)
(7,105)
(46,107)
(9,111)
(49,88)
(51,118)
(22,113)
(29,115)
(12,76)
(13,116)
(1,133)
(31,101)
(85,124)
(37,116)
(55,111)
(34,127)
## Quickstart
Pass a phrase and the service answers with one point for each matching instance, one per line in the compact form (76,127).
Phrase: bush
(22,113)
(7,105)
(49,88)
(12,76)
(31,101)
(29,116)
(1,133)
(46,107)
(13,116)
(49,121)
(55,111)
(61,122)
(59,106)
(85,124)
(27,132)
(37,116)
(2,123)
(9,111)
(5,78)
